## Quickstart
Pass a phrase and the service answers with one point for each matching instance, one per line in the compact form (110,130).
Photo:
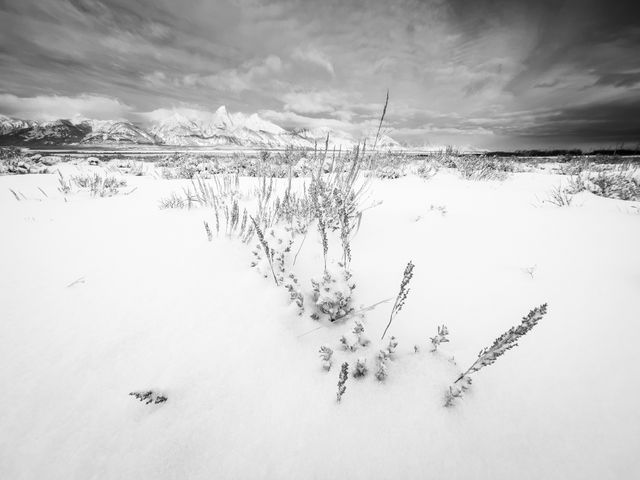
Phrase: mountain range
(178,128)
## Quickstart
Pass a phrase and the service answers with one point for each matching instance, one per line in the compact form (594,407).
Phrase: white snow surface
(100,297)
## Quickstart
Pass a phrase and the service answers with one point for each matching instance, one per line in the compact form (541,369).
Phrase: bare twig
(76,282)
(15,194)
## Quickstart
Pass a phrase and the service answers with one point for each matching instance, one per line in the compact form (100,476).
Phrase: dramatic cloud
(54,107)
(490,73)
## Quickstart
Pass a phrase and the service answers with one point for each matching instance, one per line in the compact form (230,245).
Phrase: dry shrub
(620,182)
(474,167)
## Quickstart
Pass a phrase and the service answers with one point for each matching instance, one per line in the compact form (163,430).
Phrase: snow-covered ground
(100,297)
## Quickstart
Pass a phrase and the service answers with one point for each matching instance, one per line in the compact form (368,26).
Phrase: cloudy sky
(487,73)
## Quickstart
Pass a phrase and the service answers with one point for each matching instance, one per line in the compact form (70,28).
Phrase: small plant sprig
(325,355)
(64,184)
(149,397)
(332,295)
(530,270)
(344,342)
(173,201)
(358,331)
(488,356)
(402,294)
(281,251)
(506,341)
(559,197)
(98,185)
(345,232)
(344,374)
(360,369)
(295,292)
(383,357)
(441,337)
(393,344)
(268,252)
(456,392)
(322,229)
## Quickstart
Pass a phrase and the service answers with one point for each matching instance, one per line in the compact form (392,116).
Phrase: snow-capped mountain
(179,127)
(195,128)
(220,129)
(9,125)
(110,132)
(20,132)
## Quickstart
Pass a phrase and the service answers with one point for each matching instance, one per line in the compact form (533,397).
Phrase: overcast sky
(487,73)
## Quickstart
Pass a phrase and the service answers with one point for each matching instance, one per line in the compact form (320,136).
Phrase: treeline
(576,152)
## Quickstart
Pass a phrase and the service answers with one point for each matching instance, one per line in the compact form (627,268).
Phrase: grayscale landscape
(285,239)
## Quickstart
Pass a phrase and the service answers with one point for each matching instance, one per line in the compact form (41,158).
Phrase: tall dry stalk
(384,112)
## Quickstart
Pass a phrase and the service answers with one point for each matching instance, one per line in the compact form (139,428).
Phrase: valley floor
(100,297)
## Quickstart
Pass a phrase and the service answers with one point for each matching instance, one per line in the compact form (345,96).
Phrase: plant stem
(390,319)
(300,247)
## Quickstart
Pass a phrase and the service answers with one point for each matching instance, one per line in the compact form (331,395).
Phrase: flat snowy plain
(100,297)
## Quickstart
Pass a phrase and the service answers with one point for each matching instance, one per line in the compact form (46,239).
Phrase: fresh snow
(100,297)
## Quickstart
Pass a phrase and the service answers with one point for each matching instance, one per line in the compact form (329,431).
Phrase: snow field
(157,306)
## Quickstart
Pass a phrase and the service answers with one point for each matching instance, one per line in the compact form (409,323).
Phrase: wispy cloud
(315,57)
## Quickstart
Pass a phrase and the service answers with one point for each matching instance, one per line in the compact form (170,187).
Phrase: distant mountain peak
(222,119)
